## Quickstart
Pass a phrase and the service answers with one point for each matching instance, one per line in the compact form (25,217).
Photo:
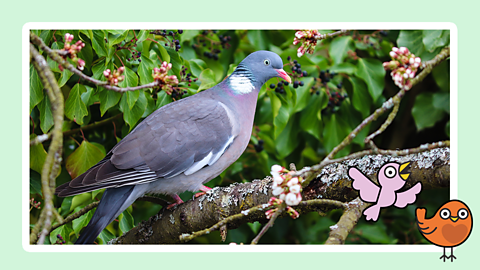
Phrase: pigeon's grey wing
(172,140)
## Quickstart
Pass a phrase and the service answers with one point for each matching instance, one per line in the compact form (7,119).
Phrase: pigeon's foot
(203,190)
(177,199)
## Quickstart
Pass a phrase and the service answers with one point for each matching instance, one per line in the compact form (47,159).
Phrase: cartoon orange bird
(450,227)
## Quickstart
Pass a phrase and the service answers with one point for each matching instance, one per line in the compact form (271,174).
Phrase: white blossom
(295,189)
(277,191)
(291,199)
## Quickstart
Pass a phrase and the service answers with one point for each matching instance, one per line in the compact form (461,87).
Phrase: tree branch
(432,168)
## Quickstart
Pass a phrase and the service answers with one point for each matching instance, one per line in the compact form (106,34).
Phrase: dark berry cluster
(187,77)
(279,87)
(297,72)
(170,36)
(259,146)
(208,40)
(60,240)
(334,102)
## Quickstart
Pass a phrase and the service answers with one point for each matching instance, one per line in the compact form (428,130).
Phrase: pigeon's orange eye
(462,213)
(445,213)
(390,172)
(266,62)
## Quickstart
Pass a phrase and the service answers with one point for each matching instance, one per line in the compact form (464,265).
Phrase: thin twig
(267,226)
(57,58)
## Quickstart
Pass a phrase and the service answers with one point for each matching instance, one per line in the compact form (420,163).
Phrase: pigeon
(180,146)
(391,177)
(449,227)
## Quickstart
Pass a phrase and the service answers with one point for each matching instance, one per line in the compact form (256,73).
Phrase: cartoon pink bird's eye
(462,213)
(390,172)
(445,213)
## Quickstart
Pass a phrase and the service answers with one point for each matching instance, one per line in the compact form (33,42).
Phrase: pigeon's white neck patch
(241,84)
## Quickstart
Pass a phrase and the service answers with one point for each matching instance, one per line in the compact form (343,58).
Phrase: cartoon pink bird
(391,177)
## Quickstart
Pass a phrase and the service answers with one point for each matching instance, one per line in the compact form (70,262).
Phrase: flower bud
(291,199)
(292,182)
(276,168)
(277,191)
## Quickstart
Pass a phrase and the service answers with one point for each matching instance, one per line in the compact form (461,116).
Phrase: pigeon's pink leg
(177,201)
(204,190)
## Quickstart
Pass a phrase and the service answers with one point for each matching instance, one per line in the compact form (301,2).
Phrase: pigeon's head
(255,70)
(393,175)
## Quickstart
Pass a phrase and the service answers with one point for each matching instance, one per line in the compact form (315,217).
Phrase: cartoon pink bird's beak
(405,170)
(284,75)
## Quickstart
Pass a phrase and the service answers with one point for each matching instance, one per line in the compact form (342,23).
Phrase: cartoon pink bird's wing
(408,196)
(368,190)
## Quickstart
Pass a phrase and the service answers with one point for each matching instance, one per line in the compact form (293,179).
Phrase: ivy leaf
(131,116)
(64,77)
(176,61)
(258,39)
(310,120)
(116,37)
(36,88)
(98,42)
(433,39)
(162,52)
(413,40)
(303,95)
(79,223)
(280,113)
(163,99)
(35,182)
(371,71)
(106,236)
(339,47)
(46,118)
(108,99)
(126,222)
(131,80)
(75,108)
(145,70)
(37,156)
(197,66)
(287,140)
(360,97)
(64,231)
(83,158)
(207,79)
(142,35)
(424,112)
(347,68)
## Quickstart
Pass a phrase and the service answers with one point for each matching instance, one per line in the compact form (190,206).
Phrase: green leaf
(162,52)
(374,234)
(287,140)
(108,99)
(64,77)
(339,47)
(255,226)
(371,71)
(176,61)
(87,55)
(87,96)
(347,68)
(433,39)
(98,42)
(188,35)
(150,104)
(126,222)
(207,79)
(310,120)
(163,99)
(35,183)
(66,206)
(280,113)
(142,35)
(75,109)
(441,101)
(258,39)
(37,156)
(197,66)
(79,223)
(145,70)
(334,131)
(116,37)
(413,40)
(46,118)
(442,76)
(424,112)
(106,236)
(132,115)
(46,36)
(361,99)
(64,231)
(36,88)
(83,158)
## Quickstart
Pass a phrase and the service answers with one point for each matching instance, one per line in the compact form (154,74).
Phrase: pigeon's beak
(405,170)
(284,75)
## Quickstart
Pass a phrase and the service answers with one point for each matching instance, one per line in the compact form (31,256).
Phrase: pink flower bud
(121,69)
(163,69)
(403,50)
(276,168)
(395,49)
(164,64)
(300,51)
(418,60)
(156,70)
(299,34)
(169,66)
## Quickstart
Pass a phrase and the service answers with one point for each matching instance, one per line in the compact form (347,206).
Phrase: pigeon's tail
(114,201)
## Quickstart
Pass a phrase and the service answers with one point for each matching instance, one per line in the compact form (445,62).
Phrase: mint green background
(462,13)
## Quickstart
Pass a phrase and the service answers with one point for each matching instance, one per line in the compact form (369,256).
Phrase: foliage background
(194,11)
(297,124)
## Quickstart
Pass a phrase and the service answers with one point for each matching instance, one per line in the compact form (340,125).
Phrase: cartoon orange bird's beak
(405,170)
